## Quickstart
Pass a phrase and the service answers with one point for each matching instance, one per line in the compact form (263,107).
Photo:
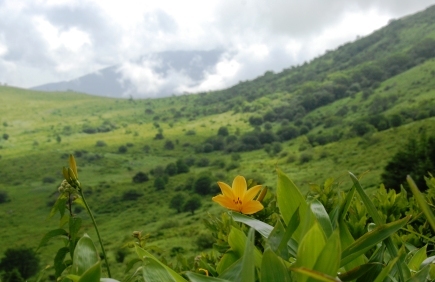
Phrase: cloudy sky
(44,41)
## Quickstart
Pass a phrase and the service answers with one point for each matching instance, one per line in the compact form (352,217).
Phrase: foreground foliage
(292,239)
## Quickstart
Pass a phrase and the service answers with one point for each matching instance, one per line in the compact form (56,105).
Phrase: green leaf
(247,273)
(313,274)
(370,239)
(289,199)
(146,256)
(273,269)
(280,239)
(322,217)
(130,264)
(328,261)
(422,275)
(155,271)
(195,277)
(310,248)
(417,259)
(386,271)
(85,256)
(227,260)
(421,202)
(358,271)
(263,228)
(402,268)
(93,274)
(346,240)
(378,259)
(74,227)
(59,264)
(52,234)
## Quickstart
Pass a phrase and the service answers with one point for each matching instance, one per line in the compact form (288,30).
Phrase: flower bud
(262,194)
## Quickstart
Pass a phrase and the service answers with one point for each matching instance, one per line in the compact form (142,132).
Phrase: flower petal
(239,187)
(252,192)
(226,190)
(225,202)
(252,207)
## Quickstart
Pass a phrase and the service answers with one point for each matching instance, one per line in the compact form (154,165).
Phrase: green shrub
(177,202)
(100,143)
(192,204)
(131,195)
(140,177)
(204,241)
(4,197)
(202,185)
(23,260)
(122,149)
(305,157)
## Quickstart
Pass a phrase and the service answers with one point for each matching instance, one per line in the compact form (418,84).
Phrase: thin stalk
(96,229)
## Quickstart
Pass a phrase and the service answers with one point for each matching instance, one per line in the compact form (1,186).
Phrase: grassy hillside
(325,118)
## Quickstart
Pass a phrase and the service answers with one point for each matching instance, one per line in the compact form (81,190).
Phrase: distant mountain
(147,76)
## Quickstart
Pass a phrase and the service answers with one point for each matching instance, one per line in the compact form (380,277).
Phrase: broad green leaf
(247,273)
(227,260)
(289,199)
(59,205)
(143,254)
(74,226)
(313,274)
(328,261)
(370,239)
(273,269)
(52,234)
(130,264)
(232,273)
(358,271)
(195,277)
(108,280)
(155,271)
(402,268)
(280,239)
(347,202)
(85,256)
(421,202)
(422,275)
(59,264)
(93,274)
(73,277)
(386,271)
(378,260)
(346,240)
(263,228)
(417,259)
(322,217)
(310,248)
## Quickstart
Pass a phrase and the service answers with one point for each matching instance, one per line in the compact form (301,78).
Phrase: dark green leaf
(85,256)
(273,269)
(93,274)
(52,234)
(263,228)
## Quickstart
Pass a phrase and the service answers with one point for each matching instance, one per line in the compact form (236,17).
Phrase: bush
(122,149)
(169,145)
(305,158)
(177,202)
(182,167)
(100,143)
(23,260)
(255,120)
(159,183)
(131,195)
(205,241)
(140,177)
(190,132)
(4,197)
(171,169)
(5,136)
(202,185)
(192,204)
(202,162)
(48,179)
(223,131)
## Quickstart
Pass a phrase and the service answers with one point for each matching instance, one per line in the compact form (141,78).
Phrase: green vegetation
(352,109)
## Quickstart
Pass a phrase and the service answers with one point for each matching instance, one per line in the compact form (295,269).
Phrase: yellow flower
(238,198)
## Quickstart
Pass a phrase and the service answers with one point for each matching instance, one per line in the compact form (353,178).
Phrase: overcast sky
(44,41)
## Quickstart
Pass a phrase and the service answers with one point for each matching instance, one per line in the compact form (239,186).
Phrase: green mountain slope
(347,110)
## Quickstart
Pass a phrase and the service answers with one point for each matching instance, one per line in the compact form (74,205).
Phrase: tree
(169,145)
(140,177)
(159,183)
(192,204)
(223,131)
(182,167)
(202,185)
(177,202)
(171,169)
(416,159)
(23,260)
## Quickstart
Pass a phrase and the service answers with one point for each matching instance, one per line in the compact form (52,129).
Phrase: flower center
(238,202)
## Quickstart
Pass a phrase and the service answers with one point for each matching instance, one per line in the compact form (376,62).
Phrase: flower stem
(96,229)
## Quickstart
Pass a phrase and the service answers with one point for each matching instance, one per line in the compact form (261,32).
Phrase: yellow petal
(251,193)
(225,202)
(252,207)
(239,187)
(226,190)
